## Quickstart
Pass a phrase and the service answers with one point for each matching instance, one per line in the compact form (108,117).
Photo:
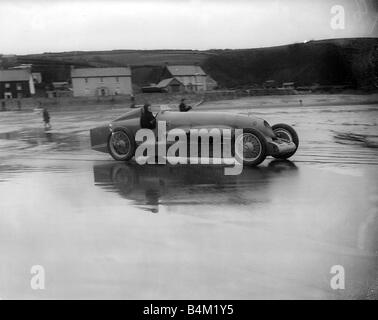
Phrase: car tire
(285,131)
(121,145)
(254,147)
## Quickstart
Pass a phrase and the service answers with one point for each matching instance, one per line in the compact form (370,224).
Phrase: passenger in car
(183,107)
(147,119)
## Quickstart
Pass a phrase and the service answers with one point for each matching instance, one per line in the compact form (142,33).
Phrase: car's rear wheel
(250,147)
(121,145)
(287,133)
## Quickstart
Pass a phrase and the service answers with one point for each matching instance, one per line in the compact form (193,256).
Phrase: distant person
(3,107)
(147,119)
(132,99)
(183,107)
(46,118)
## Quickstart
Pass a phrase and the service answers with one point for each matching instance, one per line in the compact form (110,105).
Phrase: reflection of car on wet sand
(150,186)
(257,141)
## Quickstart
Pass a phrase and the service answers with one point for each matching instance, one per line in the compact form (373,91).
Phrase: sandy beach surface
(113,230)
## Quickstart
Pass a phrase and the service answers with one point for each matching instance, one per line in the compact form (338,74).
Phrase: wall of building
(199,81)
(175,88)
(18,89)
(90,86)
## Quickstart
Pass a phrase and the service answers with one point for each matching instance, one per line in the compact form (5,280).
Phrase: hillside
(327,62)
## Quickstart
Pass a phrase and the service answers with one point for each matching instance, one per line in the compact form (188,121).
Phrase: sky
(36,26)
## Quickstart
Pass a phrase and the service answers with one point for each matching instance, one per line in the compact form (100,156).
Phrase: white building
(101,81)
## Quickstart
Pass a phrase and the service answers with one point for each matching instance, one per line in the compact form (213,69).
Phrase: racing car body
(258,139)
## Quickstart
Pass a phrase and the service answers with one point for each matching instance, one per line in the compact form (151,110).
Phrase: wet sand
(104,229)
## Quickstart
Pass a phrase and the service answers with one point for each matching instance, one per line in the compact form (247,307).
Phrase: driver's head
(146,107)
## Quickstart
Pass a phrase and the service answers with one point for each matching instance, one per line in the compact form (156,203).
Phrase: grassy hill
(326,62)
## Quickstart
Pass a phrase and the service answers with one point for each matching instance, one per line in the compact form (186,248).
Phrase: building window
(19,86)
(7,85)
(101,79)
(86,80)
(117,79)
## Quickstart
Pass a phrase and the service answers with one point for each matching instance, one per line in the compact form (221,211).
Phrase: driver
(183,107)
(147,119)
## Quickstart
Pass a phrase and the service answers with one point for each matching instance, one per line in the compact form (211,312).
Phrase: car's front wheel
(287,133)
(121,145)
(250,147)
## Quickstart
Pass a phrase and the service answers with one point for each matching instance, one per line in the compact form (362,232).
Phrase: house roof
(165,82)
(14,75)
(101,72)
(181,70)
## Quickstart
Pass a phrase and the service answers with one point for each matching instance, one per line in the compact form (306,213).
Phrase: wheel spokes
(120,143)
(251,147)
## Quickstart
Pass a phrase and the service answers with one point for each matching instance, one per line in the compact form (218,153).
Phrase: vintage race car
(257,141)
